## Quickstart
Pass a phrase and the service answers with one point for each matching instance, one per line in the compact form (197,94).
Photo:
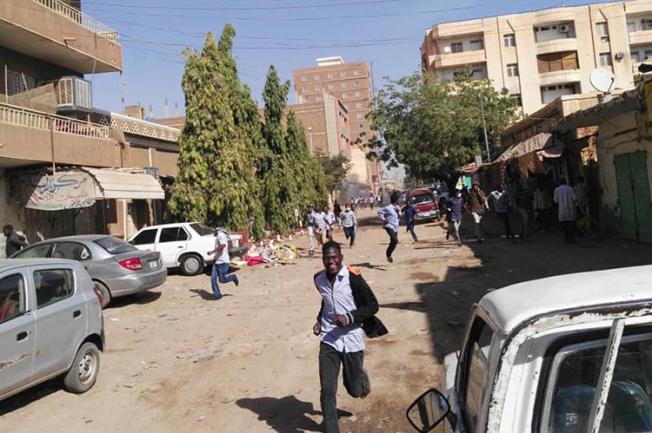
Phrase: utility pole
(484,130)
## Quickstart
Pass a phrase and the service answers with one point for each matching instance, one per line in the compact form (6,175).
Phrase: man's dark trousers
(356,381)
(349,233)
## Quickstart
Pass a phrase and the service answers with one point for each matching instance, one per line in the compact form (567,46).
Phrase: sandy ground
(178,361)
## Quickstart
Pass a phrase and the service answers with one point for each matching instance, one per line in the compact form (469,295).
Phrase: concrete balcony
(559,77)
(640,37)
(54,32)
(462,59)
(31,137)
(557,46)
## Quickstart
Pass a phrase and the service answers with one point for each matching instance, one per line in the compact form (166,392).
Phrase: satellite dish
(602,80)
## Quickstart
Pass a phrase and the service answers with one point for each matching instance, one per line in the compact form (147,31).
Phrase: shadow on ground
(30,395)
(139,298)
(497,263)
(285,415)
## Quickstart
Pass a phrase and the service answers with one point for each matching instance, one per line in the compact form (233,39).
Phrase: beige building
(326,123)
(539,56)
(351,83)
(52,138)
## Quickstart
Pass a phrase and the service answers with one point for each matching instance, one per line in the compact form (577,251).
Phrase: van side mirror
(428,411)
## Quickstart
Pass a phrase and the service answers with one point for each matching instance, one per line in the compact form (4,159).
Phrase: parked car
(562,355)
(50,325)
(118,268)
(181,245)
(427,209)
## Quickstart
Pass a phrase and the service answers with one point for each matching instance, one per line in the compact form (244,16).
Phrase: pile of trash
(268,252)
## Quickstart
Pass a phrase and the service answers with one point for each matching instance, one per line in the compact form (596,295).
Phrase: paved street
(178,361)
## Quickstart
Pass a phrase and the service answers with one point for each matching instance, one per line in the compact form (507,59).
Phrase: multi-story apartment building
(351,83)
(326,123)
(539,56)
(50,130)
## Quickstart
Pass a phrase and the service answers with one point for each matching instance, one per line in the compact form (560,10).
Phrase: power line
(249,8)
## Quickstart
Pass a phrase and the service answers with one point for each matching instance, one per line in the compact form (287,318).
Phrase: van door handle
(22,335)
(76,314)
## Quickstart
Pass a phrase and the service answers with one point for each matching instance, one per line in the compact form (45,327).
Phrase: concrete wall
(47,35)
(35,145)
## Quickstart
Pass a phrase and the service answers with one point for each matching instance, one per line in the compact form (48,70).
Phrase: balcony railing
(80,18)
(19,116)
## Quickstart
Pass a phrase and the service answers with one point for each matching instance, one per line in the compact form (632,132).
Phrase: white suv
(181,245)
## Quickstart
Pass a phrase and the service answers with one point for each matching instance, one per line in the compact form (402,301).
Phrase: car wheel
(192,264)
(82,375)
(105,293)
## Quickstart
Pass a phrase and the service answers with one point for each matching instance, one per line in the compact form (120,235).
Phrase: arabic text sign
(65,190)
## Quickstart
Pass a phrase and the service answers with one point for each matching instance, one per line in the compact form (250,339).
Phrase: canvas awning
(121,184)
(533,144)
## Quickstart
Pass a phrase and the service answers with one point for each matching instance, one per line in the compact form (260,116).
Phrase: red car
(427,209)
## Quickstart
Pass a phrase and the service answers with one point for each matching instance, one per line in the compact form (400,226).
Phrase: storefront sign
(64,190)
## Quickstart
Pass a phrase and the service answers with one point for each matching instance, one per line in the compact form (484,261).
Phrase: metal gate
(634,196)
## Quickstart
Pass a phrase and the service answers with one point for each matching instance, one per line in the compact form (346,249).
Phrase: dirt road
(178,361)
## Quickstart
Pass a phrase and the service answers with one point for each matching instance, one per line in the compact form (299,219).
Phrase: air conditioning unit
(564,28)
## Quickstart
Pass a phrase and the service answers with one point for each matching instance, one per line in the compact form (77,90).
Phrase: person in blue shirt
(410,212)
(389,215)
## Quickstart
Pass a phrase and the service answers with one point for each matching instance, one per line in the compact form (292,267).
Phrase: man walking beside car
(347,313)
(13,241)
(222,262)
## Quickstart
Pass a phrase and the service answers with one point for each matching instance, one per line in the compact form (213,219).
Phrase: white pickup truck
(566,354)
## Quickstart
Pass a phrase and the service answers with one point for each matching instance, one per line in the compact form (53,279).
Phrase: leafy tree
(214,154)
(336,169)
(434,127)
(280,188)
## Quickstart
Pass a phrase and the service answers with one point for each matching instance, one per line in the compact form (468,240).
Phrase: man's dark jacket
(367,306)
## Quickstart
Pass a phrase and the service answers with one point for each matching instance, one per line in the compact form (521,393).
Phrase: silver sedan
(116,267)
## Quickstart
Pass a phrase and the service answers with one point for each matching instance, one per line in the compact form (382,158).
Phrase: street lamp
(310,139)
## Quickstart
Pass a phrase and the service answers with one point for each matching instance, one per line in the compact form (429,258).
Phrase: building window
(605,59)
(646,24)
(478,74)
(331,87)
(566,60)
(318,98)
(356,73)
(509,40)
(512,70)
(361,125)
(631,26)
(316,77)
(359,116)
(356,83)
(304,78)
(317,87)
(357,94)
(343,74)
(636,57)
(344,85)
(330,75)
(648,55)
(603,31)
(477,45)
(345,95)
(18,82)
(457,47)
(358,105)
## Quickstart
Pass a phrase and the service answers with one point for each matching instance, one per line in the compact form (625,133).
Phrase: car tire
(192,264)
(84,370)
(106,294)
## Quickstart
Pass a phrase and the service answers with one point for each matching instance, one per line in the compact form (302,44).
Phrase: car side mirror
(428,411)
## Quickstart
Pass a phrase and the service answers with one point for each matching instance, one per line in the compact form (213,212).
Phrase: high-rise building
(351,83)
(326,123)
(539,56)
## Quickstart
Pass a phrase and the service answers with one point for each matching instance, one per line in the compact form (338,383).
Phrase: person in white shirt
(567,202)
(329,218)
(347,313)
(222,262)
(319,218)
(348,221)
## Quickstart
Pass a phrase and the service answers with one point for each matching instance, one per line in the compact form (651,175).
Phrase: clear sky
(285,33)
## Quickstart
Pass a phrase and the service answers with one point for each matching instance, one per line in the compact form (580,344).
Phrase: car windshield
(202,229)
(114,245)
(418,199)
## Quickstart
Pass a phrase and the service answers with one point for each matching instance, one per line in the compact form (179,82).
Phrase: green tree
(280,188)
(434,127)
(214,144)
(336,169)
